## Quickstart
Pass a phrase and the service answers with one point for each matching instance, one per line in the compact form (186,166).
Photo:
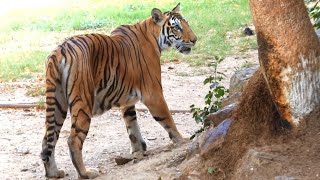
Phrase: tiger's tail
(56,111)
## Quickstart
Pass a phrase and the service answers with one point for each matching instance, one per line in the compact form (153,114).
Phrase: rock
(171,173)
(247,31)
(152,138)
(284,178)
(23,150)
(24,170)
(234,98)
(123,159)
(216,118)
(193,148)
(194,175)
(237,83)
(177,159)
(213,138)
(240,78)
(259,158)
(318,33)
(257,163)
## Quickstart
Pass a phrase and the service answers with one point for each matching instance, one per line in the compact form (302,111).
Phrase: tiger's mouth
(184,48)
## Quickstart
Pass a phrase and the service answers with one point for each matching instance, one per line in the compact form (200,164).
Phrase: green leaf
(211,170)
(208,80)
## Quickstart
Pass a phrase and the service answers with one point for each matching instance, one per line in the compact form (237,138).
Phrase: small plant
(314,13)
(247,64)
(40,102)
(213,100)
(211,170)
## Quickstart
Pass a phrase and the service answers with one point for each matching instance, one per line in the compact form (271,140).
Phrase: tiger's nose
(194,40)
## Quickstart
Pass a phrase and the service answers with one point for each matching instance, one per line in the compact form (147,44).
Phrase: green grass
(211,21)
(247,64)
(21,65)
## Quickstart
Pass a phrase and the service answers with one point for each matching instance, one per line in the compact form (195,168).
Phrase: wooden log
(32,105)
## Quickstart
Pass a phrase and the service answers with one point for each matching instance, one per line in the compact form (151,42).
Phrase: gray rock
(284,178)
(171,173)
(240,78)
(217,117)
(213,138)
(194,175)
(259,158)
(318,33)
(231,99)
(193,148)
(24,170)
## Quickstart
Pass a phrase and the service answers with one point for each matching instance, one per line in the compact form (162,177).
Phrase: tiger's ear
(157,16)
(176,9)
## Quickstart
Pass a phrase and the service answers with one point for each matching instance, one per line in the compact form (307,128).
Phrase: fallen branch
(33,105)
(19,105)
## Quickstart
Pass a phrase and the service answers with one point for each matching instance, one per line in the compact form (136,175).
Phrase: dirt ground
(280,156)
(22,129)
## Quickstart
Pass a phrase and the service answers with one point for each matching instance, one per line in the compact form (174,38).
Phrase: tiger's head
(175,30)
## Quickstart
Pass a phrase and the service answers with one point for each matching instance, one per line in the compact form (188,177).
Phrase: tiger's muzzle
(185,47)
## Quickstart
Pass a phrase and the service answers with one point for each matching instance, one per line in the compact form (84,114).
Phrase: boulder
(216,118)
(240,78)
(237,83)
(213,138)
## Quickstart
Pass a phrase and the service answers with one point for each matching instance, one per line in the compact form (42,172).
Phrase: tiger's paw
(90,174)
(180,140)
(56,174)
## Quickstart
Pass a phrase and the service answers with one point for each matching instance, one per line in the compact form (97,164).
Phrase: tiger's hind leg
(130,118)
(56,111)
(81,117)
(160,112)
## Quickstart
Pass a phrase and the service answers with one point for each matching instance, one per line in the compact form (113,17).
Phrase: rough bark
(289,53)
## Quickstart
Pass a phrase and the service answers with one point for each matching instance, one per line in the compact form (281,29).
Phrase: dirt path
(22,129)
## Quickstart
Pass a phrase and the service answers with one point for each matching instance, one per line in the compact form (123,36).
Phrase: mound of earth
(259,145)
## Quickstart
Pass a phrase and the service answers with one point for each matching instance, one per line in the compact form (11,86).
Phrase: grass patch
(247,64)
(38,90)
(211,20)
(23,64)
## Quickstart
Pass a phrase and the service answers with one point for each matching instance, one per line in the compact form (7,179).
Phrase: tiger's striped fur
(89,74)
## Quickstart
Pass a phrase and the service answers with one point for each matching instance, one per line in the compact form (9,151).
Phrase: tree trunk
(289,53)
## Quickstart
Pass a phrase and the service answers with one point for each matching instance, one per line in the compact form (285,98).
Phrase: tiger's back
(115,68)
(89,74)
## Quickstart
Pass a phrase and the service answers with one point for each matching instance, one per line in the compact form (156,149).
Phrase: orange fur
(89,74)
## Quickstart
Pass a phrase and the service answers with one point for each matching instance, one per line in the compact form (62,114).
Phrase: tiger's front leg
(160,112)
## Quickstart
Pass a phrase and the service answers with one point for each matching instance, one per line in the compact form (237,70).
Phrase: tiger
(91,73)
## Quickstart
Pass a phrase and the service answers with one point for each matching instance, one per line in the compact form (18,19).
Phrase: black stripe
(50,134)
(79,129)
(50,116)
(49,109)
(50,128)
(130,112)
(159,118)
(70,50)
(50,139)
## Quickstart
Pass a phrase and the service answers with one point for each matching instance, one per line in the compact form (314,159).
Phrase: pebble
(284,178)
(23,150)
(123,159)
(24,169)
(151,138)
